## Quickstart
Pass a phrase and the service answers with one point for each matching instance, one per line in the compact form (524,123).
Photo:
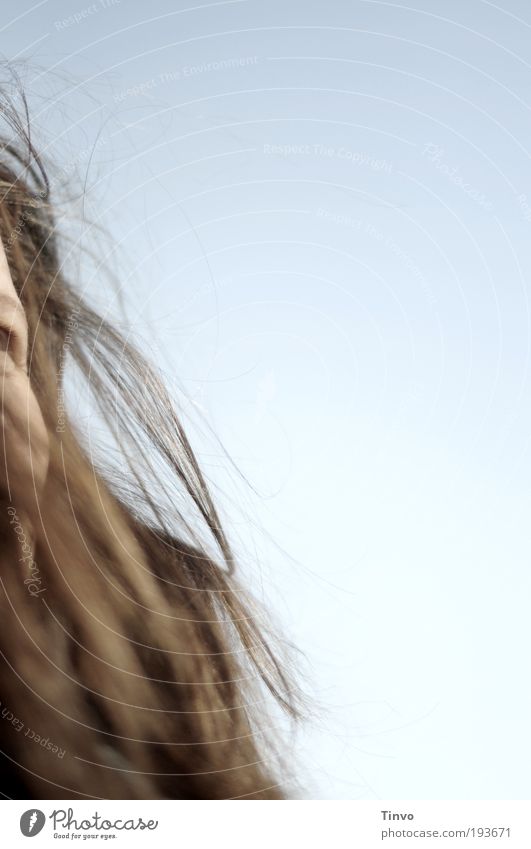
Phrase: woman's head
(136,652)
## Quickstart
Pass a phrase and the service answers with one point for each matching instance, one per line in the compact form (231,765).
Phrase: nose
(13,324)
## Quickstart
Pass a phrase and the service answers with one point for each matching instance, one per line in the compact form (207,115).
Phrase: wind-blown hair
(142,659)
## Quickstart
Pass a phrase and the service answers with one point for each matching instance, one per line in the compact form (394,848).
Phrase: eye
(13,329)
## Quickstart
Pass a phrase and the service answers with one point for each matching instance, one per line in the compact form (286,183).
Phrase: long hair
(137,668)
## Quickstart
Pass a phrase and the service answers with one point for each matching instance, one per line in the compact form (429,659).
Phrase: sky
(321,216)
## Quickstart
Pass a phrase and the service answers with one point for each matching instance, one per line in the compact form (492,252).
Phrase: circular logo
(31,822)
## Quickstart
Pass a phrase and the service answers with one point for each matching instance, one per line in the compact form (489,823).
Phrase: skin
(24,446)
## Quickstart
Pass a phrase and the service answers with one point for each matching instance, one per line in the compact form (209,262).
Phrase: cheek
(25,442)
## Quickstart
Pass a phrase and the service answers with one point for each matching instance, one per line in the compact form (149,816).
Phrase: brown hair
(141,661)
